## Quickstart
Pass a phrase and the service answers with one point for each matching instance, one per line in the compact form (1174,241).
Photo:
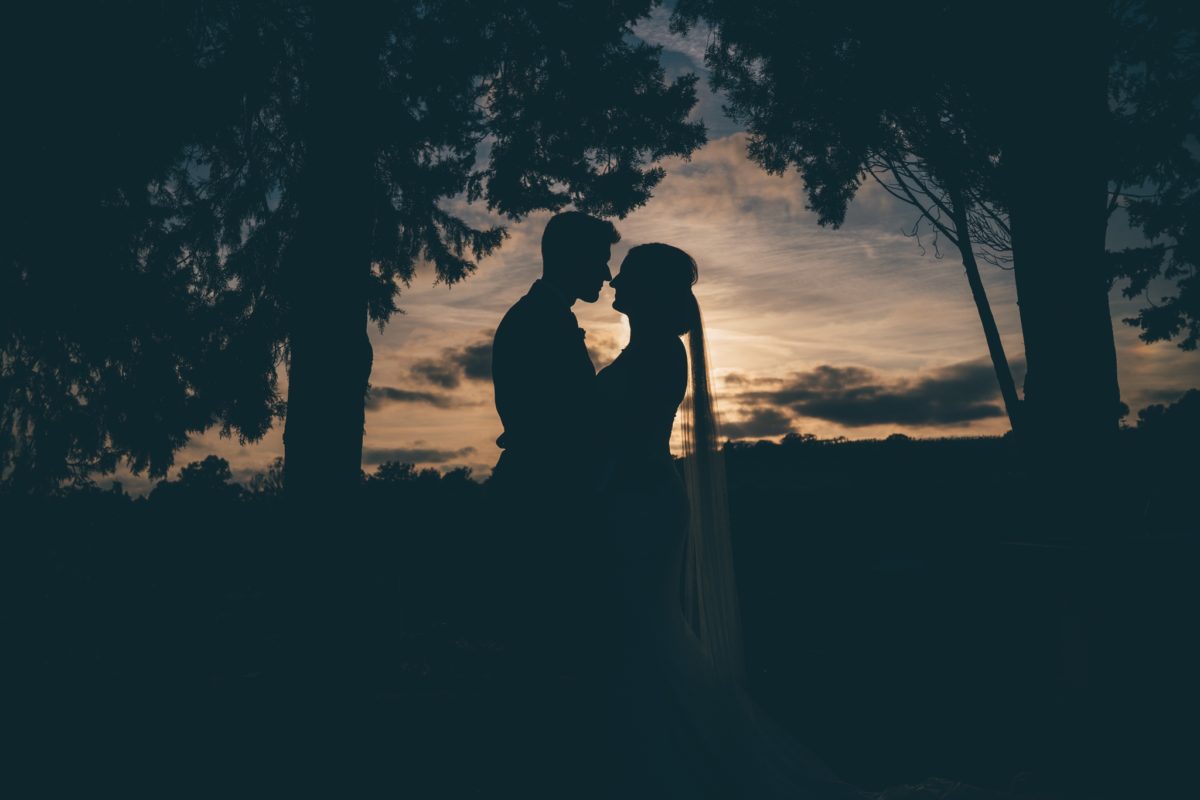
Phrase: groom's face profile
(576,249)
(592,272)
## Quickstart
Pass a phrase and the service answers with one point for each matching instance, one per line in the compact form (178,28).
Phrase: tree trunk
(1057,194)
(1008,387)
(328,266)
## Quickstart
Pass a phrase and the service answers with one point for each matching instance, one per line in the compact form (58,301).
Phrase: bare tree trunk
(1008,387)
(328,267)
(1058,192)
(327,271)
(1056,186)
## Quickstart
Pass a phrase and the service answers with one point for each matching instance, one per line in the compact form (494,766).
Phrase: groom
(545,395)
(545,486)
(542,373)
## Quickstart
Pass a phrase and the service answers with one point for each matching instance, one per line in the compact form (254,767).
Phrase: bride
(680,718)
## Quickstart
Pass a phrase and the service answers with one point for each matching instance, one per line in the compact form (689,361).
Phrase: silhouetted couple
(625,603)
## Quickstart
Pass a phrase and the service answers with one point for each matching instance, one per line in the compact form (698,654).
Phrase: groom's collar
(553,291)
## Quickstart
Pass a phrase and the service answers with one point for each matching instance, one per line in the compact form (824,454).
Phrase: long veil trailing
(709,588)
(771,763)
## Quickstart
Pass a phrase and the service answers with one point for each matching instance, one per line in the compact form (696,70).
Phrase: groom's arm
(542,388)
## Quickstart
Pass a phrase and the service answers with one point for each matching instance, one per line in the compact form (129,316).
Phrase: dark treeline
(948,634)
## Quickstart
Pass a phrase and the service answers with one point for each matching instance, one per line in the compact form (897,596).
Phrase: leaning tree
(846,94)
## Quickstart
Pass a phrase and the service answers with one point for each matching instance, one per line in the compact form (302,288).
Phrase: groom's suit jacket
(545,389)
(559,587)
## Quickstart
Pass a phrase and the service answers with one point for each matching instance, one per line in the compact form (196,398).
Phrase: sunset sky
(854,332)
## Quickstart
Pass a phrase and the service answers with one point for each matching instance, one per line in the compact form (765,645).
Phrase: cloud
(739,379)
(1164,396)
(957,394)
(436,372)
(760,424)
(381,396)
(476,361)
(413,455)
(472,362)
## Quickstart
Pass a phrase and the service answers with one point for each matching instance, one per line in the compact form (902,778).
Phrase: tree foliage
(905,96)
(209,480)
(1155,87)
(1009,155)
(825,89)
(516,81)
(145,285)
(106,331)
(845,97)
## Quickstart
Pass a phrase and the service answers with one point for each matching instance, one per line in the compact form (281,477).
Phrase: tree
(996,152)
(842,95)
(394,472)
(268,483)
(273,174)
(1177,423)
(1105,120)
(1153,92)
(921,166)
(200,482)
(107,337)
(357,122)
(1057,130)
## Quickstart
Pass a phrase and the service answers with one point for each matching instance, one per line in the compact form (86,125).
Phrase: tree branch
(912,200)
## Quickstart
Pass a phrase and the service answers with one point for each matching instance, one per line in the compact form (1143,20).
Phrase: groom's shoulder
(518,312)
(532,309)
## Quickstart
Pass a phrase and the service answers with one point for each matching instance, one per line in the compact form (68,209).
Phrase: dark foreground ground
(911,609)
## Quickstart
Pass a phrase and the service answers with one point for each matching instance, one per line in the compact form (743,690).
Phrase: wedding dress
(682,722)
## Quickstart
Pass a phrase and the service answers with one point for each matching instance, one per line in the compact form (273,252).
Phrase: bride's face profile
(653,286)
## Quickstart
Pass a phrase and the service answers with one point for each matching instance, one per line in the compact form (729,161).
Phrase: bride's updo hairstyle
(664,277)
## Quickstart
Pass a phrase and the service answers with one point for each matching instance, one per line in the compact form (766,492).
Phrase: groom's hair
(567,232)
